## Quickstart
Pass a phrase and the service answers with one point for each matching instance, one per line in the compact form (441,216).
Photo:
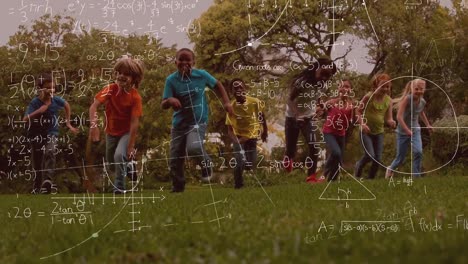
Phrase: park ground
(377,221)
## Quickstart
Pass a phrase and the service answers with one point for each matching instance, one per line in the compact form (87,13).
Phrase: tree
(402,35)
(460,61)
(82,64)
(260,34)
(415,40)
(267,42)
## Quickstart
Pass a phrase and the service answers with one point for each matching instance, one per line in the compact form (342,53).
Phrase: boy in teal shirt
(184,92)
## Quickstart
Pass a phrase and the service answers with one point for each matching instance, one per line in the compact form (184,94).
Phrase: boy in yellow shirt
(244,128)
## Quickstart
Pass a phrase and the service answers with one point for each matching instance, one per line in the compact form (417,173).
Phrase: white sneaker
(209,179)
(388,173)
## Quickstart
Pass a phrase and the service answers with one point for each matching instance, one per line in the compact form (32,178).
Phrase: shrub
(444,140)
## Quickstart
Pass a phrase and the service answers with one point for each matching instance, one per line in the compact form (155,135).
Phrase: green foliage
(283,39)
(424,40)
(458,72)
(403,40)
(446,138)
(82,63)
(428,40)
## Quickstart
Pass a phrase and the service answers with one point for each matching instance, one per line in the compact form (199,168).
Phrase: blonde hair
(408,90)
(132,67)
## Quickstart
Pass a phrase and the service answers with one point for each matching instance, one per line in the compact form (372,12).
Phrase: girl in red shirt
(339,118)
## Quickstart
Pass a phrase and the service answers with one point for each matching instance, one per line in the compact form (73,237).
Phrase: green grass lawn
(300,224)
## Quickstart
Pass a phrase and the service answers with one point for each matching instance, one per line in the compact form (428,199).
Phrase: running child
(245,126)
(43,113)
(184,92)
(374,111)
(339,118)
(410,108)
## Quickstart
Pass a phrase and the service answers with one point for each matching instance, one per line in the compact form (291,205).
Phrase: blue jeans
(306,127)
(116,152)
(335,145)
(403,143)
(246,156)
(188,142)
(44,160)
(373,147)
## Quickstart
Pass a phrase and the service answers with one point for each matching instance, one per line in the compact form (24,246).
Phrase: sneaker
(312,179)
(207,179)
(388,173)
(287,164)
(46,187)
(321,179)
(118,191)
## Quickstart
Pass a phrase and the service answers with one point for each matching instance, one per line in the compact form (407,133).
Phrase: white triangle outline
(347,199)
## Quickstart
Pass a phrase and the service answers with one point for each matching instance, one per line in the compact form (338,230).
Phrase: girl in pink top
(339,118)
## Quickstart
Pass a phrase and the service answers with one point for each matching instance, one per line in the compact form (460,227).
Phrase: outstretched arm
(226,103)
(360,112)
(171,102)
(67,118)
(389,117)
(37,112)
(426,121)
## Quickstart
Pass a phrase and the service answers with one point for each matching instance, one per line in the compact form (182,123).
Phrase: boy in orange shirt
(123,111)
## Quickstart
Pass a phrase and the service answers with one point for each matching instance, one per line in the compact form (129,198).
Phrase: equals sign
(40,214)
(91,5)
(11,11)
(449,226)
(398,182)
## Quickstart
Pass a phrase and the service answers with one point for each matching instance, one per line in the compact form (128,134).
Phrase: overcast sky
(162,19)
